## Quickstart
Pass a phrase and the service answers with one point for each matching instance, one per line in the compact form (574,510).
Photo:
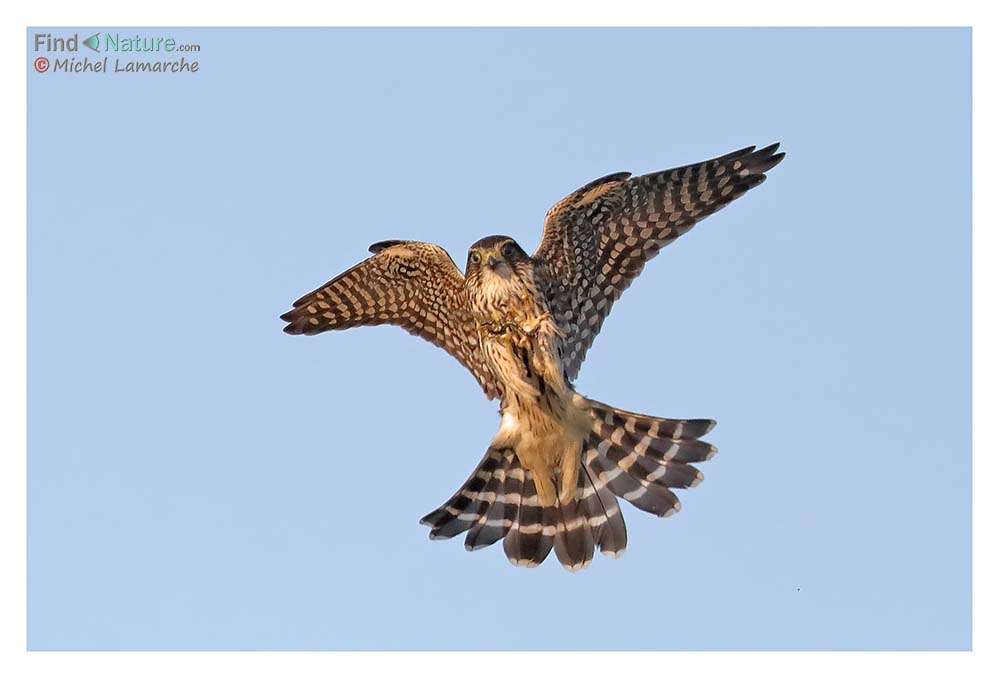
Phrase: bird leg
(530,328)
(520,332)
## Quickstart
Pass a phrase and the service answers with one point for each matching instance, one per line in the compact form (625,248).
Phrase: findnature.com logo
(120,51)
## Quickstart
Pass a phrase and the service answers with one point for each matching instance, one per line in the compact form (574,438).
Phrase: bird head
(497,255)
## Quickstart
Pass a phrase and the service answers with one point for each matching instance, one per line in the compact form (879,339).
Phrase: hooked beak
(493,261)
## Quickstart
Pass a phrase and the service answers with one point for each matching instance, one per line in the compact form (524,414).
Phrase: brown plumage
(522,325)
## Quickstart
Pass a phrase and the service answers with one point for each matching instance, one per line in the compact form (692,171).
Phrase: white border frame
(15,661)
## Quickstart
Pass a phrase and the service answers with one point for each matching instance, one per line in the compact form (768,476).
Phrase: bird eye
(473,257)
(509,250)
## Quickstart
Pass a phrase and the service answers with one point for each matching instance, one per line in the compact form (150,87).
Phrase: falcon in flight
(522,325)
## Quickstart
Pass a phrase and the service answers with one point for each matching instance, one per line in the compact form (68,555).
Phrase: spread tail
(500,501)
(634,456)
(643,458)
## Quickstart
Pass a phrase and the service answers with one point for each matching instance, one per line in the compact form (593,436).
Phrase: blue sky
(199,480)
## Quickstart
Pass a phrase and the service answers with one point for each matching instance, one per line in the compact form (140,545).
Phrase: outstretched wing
(411,284)
(598,239)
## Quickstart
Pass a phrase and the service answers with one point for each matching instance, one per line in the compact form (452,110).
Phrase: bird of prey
(522,325)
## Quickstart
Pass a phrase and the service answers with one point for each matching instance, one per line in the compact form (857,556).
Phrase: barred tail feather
(511,542)
(500,501)
(532,534)
(646,425)
(471,501)
(491,525)
(603,515)
(643,458)
(643,494)
(573,535)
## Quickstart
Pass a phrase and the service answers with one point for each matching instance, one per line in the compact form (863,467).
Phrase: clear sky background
(199,480)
